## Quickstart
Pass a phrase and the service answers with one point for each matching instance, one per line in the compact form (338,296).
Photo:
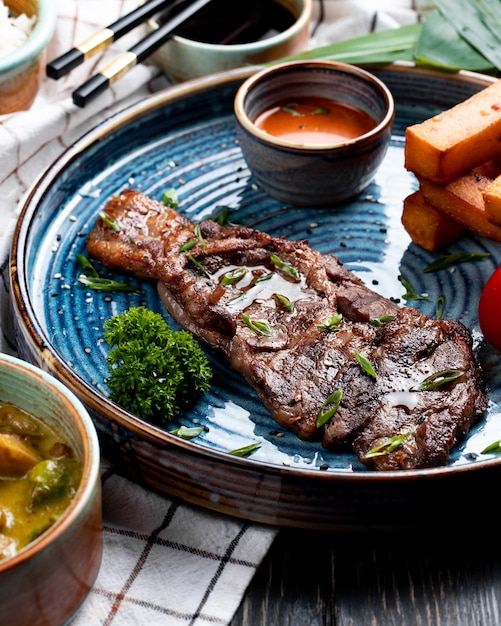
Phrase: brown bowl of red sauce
(314,133)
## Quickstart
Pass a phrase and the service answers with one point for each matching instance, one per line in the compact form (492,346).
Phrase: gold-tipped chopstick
(103,38)
(138,53)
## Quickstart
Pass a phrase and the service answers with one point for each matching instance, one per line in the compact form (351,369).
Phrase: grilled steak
(299,326)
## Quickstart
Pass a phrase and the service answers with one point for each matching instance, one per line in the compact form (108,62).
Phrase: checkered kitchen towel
(164,562)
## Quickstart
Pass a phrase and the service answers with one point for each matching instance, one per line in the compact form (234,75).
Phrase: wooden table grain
(450,577)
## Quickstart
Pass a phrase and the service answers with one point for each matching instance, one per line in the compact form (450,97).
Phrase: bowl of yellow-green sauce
(50,498)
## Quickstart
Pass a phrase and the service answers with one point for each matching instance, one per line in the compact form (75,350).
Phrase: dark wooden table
(404,578)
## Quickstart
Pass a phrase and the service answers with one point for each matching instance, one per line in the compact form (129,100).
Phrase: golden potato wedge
(427,227)
(462,201)
(448,145)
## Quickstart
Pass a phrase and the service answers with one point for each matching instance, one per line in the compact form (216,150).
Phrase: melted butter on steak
(297,365)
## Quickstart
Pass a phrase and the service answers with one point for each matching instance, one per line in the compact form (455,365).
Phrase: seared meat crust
(322,317)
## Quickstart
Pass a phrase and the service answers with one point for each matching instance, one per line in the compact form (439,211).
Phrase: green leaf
(440,46)
(396,44)
(478,22)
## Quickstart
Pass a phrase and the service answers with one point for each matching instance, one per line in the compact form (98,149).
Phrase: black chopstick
(139,52)
(103,38)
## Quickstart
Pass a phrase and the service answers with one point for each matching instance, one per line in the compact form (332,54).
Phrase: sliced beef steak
(299,326)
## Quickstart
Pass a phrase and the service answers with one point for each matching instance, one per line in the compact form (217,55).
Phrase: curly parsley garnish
(154,371)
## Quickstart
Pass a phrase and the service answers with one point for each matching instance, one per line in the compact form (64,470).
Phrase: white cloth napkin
(164,562)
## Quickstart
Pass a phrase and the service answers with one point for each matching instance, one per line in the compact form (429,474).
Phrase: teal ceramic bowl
(305,173)
(183,58)
(21,69)
(46,581)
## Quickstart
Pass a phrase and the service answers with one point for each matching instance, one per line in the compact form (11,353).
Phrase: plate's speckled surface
(185,138)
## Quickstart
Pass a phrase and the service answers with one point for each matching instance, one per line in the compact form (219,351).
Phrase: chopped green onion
(334,400)
(379,321)
(170,198)
(109,221)
(98,283)
(411,293)
(261,279)
(440,306)
(246,450)
(332,323)
(188,245)
(186,432)
(455,259)
(288,269)
(389,445)
(223,217)
(237,300)
(198,233)
(492,448)
(434,381)
(291,108)
(86,266)
(234,276)
(365,364)
(198,265)
(284,302)
(91,278)
(257,326)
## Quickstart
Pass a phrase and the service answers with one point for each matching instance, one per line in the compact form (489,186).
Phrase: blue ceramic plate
(184,138)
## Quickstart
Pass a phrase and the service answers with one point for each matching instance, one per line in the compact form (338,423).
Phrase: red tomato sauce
(314,120)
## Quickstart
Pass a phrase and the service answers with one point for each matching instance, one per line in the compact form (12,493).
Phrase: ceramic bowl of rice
(26,27)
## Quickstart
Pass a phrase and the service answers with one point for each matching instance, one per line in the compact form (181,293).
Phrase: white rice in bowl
(14,29)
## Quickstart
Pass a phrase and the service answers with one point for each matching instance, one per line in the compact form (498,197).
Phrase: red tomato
(489,310)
